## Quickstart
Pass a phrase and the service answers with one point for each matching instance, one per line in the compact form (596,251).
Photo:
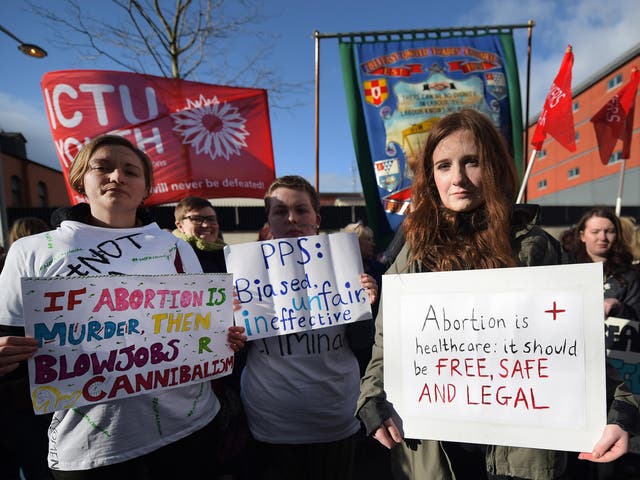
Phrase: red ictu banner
(207,140)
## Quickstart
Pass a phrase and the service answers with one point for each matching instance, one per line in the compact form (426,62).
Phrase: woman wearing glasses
(197,224)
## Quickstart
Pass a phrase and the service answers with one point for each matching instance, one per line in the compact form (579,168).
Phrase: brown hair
(619,257)
(80,164)
(190,203)
(293,182)
(23,227)
(436,235)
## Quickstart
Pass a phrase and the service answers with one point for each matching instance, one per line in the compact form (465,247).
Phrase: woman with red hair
(463,218)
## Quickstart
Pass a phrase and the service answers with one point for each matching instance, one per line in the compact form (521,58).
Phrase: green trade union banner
(397,90)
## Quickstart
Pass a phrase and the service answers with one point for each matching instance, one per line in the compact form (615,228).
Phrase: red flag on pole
(615,120)
(556,118)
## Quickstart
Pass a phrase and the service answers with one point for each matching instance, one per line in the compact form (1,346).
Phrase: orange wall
(554,167)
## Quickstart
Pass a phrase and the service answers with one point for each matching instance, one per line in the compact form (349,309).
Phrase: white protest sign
(298,284)
(511,356)
(110,337)
(622,339)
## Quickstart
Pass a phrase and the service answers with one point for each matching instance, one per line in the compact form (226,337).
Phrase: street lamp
(26,48)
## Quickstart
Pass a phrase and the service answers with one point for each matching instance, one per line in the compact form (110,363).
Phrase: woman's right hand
(14,350)
(388,434)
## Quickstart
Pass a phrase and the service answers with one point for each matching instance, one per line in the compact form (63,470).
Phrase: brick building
(26,183)
(564,178)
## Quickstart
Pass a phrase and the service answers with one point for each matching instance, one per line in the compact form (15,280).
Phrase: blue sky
(599,32)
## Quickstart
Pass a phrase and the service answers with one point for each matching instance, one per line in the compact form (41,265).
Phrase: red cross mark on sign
(554,310)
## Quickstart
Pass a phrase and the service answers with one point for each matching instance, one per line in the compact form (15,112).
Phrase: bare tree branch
(190,38)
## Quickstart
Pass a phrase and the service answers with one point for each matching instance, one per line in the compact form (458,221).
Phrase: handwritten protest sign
(111,337)
(298,284)
(510,356)
(622,339)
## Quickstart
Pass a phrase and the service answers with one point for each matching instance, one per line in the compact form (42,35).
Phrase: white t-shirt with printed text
(301,388)
(111,432)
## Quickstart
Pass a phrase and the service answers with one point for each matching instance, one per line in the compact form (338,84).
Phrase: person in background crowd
(264,233)
(23,227)
(372,461)
(361,333)
(197,224)
(631,236)
(300,403)
(24,441)
(146,436)
(463,217)
(567,242)
(599,239)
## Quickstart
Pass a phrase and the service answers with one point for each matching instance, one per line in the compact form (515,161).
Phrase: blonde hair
(359,229)
(25,226)
(630,233)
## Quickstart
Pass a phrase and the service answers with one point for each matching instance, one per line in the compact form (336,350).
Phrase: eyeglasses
(200,220)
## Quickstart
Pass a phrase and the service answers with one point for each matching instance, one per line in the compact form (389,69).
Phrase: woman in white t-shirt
(164,434)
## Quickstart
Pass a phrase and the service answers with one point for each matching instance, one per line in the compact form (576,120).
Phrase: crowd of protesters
(322,416)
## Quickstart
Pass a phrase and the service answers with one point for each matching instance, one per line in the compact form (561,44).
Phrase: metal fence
(231,219)
(251,219)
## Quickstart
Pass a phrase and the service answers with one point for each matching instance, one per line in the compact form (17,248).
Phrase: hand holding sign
(612,445)
(297,284)
(484,359)
(14,350)
(105,338)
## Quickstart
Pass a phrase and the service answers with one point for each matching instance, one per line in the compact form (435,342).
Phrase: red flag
(615,120)
(207,140)
(556,118)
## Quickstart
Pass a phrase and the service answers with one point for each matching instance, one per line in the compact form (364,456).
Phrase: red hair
(444,240)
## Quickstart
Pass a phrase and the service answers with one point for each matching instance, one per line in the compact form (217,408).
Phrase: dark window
(16,191)
(43,200)
(614,81)
(574,172)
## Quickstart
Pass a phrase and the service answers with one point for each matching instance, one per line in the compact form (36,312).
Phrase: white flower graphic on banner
(212,127)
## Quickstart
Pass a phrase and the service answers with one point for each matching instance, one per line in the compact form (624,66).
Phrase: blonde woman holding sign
(166,434)
(463,218)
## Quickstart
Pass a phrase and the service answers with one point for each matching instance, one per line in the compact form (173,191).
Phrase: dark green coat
(428,459)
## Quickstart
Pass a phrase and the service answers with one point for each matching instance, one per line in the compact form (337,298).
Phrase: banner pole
(620,187)
(317,108)
(526,106)
(523,186)
(432,32)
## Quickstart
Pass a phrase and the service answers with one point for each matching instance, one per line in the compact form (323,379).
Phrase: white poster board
(511,356)
(293,285)
(111,337)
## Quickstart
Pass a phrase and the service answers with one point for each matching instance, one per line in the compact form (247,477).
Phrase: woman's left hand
(236,338)
(611,306)
(370,285)
(612,445)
